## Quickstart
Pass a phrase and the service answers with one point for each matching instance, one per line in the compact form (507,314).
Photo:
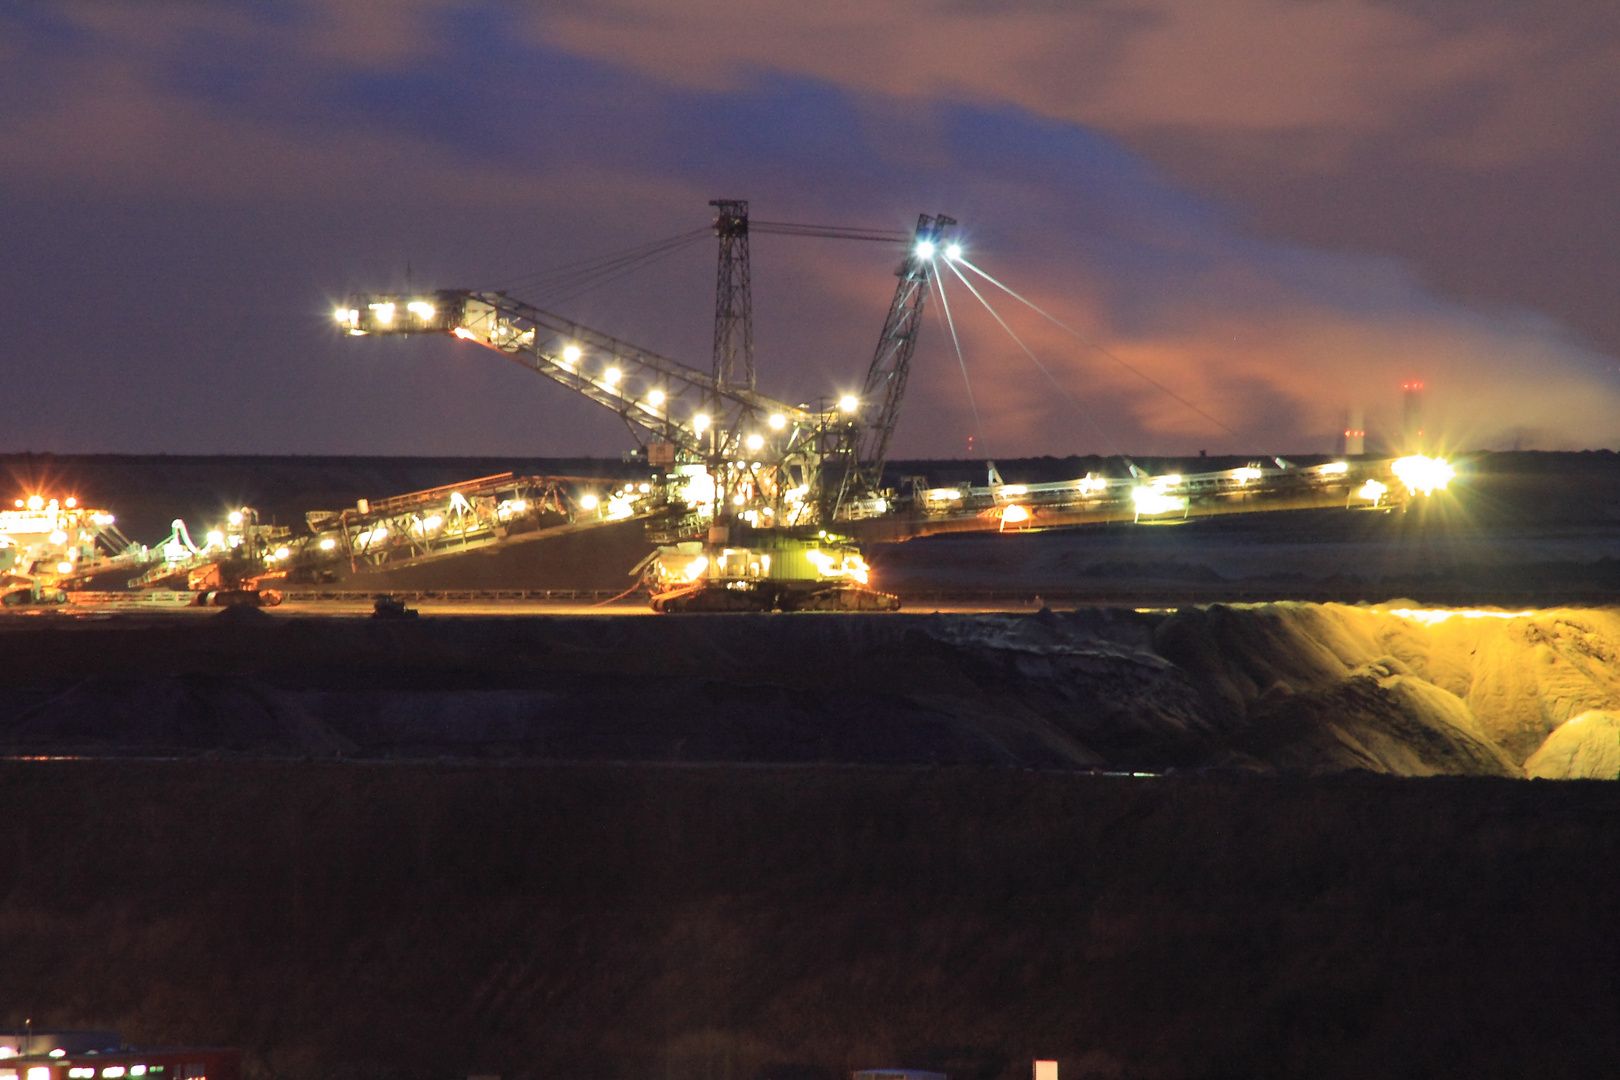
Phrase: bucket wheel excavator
(749,491)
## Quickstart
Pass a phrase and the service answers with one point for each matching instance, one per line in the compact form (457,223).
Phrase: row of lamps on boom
(384,313)
(572,354)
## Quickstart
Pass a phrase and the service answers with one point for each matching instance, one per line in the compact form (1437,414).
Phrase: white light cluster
(1092,485)
(1423,475)
(1156,500)
(829,566)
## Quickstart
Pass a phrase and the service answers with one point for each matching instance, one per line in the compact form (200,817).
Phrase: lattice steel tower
(733,301)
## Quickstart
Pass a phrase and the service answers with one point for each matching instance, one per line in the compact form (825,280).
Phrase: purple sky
(1281,209)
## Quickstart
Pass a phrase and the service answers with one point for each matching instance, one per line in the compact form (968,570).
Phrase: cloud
(1479,142)
(208,181)
(1243,65)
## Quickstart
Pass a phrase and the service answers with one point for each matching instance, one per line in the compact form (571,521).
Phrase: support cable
(1092,344)
(1044,370)
(831,232)
(581,268)
(945,306)
(565,293)
(609,271)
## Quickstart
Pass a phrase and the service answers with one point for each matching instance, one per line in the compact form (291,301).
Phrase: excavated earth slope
(1280,688)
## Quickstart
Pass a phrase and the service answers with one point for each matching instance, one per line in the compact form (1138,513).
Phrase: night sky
(1279,209)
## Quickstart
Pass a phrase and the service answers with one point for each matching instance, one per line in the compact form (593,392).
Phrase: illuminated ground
(1273,688)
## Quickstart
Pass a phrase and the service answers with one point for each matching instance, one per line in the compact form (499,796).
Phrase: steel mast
(733,302)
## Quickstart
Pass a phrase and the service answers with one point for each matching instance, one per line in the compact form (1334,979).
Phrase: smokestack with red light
(1412,417)
(1355,432)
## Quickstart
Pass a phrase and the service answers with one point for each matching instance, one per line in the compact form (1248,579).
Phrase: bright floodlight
(849,403)
(611,376)
(778,421)
(571,354)
(755,441)
(588,502)
(35,502)
(1155,500)
(64,568)
(953,251)
(700,422)
(656,398)
(1423,474)
(421,309)
(385,313)
(925,249)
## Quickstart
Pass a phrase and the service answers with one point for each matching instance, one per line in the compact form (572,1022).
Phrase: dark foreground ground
(422,920)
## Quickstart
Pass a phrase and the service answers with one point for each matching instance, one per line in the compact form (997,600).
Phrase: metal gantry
(733,297)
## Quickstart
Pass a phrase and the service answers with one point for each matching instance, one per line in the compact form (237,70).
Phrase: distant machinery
(49,545)
(241,560)
(235,563)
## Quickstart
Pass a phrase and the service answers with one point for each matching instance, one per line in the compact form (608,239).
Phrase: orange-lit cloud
(1265,65)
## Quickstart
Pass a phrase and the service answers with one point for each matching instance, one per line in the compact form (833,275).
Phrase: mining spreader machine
(755,502)
(749,493)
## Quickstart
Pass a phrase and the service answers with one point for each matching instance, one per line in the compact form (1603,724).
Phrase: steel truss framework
(772,463)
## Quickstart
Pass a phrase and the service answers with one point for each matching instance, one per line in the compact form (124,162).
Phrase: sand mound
(1585,748)
(1324,686)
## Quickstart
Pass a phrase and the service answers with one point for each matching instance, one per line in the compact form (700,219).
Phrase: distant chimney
(1412,417)
(1355,433)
